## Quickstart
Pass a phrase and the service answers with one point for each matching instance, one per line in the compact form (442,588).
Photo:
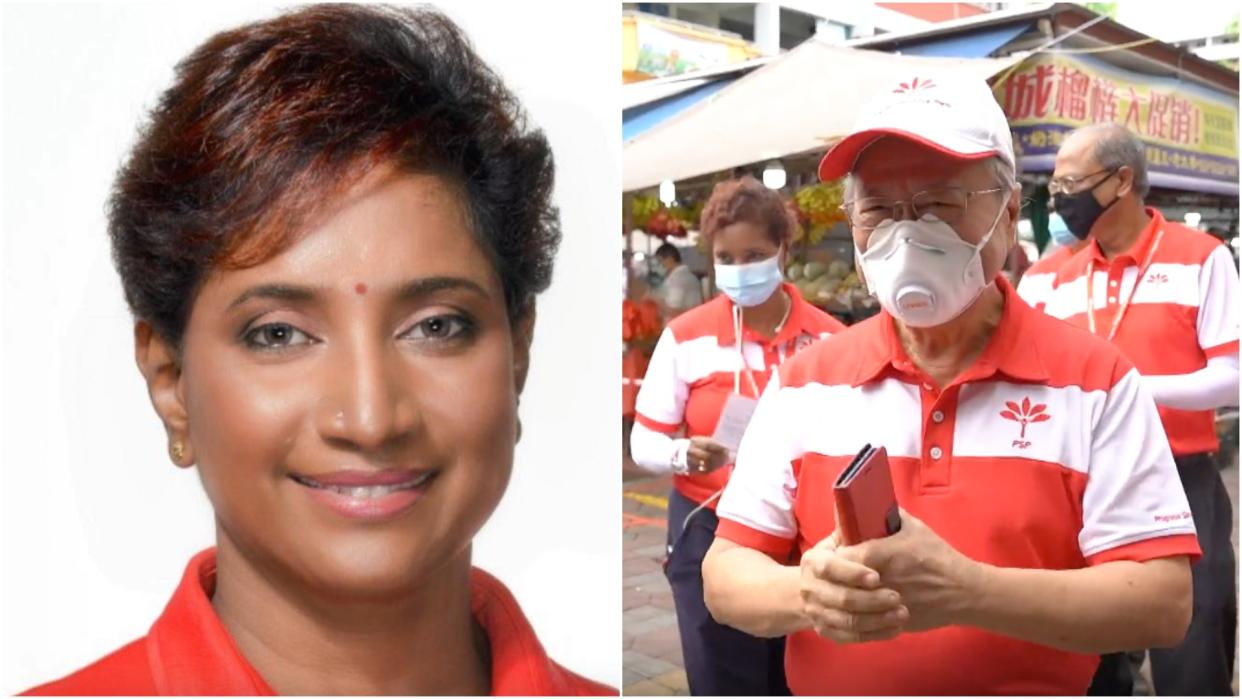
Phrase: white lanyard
(1125,305)
(741,356)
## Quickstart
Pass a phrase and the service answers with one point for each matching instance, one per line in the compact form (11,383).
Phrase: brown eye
(440,328)
(275,336)
(436,327)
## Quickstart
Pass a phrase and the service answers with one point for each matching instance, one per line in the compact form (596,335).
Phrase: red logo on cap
(915,84)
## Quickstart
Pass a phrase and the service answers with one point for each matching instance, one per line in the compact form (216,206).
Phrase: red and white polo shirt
(1182,312)
(692,372)
(1036,284)
(1046,453)
(189,652)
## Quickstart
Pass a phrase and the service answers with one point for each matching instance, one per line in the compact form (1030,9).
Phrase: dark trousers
(1202,664)
(720,660)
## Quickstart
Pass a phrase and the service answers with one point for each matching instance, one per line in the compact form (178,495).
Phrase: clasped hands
(876,590)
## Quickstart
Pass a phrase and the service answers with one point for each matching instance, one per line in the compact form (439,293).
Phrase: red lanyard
(1125,305)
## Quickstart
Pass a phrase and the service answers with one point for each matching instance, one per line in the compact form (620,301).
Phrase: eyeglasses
(1069,185)
(949,204)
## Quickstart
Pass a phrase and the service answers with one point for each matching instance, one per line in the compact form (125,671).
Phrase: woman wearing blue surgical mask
(1037,285)
(708,369)
(1060,232)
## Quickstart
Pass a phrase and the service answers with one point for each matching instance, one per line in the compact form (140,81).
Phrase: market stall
(782,115)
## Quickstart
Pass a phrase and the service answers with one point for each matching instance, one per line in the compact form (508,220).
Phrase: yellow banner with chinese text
(1188,130)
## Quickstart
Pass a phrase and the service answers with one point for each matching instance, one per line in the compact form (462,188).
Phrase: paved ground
(652,660)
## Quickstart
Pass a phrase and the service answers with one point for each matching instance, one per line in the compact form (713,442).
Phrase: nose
(366,401)
(904,211)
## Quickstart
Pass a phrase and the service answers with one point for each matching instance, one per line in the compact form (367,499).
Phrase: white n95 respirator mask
(922,272)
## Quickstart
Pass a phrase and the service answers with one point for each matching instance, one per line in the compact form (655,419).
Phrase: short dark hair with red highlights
(747,200)
(263,124)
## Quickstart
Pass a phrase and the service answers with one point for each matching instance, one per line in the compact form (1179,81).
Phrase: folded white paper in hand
(733,421)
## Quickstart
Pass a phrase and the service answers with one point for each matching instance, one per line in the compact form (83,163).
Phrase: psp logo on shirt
(1025,414)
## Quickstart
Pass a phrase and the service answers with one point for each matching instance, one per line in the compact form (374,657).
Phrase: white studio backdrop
(97,523)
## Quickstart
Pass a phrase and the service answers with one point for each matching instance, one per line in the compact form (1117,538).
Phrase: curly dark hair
(265,123)
(746,199)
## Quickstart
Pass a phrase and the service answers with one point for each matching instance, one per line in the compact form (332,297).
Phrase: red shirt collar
(1008,351)
(191,652)
(797,324)
(1138,251)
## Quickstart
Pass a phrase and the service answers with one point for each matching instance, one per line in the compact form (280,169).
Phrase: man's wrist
(976,582)
(796,606)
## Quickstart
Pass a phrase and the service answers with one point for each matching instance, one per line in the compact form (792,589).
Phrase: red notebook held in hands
(866,504)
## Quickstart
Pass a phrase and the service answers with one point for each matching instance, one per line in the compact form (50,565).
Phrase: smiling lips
(367,494)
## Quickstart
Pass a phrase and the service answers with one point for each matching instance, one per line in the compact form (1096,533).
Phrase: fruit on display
(662,224)
(688,214)
(642,208)
(650,215)
(819,209)
(827,282)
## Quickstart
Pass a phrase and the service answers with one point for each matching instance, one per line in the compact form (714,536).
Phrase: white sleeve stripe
(1218,307)
(1134,538)
(663,394)
(1133,489)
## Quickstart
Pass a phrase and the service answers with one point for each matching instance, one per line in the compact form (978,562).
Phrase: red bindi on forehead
(360,288)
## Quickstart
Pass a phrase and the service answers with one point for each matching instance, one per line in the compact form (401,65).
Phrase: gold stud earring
(178,451)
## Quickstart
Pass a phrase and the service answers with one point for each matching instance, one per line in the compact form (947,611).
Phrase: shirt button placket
(937,436)
(1114,282)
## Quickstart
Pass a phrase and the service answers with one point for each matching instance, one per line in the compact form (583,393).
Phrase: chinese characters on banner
(1189,130)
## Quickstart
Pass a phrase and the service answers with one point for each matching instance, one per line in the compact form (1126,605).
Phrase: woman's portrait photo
(306,356)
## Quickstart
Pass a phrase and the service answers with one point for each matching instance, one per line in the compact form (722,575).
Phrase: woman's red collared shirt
(691,373)
(188,651)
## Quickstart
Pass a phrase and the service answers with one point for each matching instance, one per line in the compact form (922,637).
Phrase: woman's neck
(768,318)
(423,643)
(943,352)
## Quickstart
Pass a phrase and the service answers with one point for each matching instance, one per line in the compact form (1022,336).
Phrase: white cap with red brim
(958,117)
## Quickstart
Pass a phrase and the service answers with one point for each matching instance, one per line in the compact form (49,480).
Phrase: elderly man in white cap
(1042,521)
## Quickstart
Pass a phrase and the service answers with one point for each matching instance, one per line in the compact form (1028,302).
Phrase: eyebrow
(930,186)
(430,285)
(412,290)
(281,292)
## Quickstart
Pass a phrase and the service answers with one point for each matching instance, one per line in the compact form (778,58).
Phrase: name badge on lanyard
(1125,305)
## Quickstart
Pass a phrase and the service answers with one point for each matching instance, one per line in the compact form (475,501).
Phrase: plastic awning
(800,102)
(974,45)
(639,119)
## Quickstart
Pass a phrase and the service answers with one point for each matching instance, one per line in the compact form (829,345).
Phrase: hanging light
(774,175)
(668,192)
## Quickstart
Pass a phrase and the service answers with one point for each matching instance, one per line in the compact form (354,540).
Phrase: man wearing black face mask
(1080,208)
(1166,295)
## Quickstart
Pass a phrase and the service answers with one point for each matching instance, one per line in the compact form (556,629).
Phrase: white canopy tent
(800,102)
